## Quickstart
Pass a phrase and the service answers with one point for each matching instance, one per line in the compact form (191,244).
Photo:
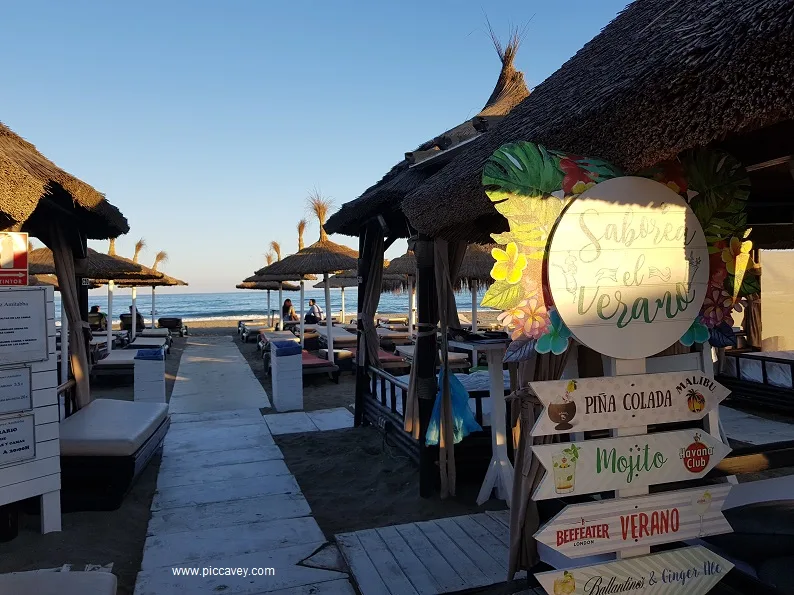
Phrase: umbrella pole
(302,315)
(134,314)
(269,311)
(281,305)
(111,285)
(474,357)
(411,306)
(328,324)
(64,344)
(152,306)
(343,306)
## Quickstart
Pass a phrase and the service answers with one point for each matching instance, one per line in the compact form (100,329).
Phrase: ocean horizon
(242,303)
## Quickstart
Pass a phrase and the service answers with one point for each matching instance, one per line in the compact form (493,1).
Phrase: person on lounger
(315,313)
(98,320)
(139,322)
(288,311)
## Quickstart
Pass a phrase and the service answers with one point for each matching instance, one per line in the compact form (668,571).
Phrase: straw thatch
(164,281)
(475,269)
(29,180)
(277,278)
(384,198)
(99,266)
(347,279)
(323,256)
(267,286)
(52,281)
(661,78)
(402,265)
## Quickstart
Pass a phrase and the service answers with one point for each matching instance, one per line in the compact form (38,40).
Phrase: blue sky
(206,123)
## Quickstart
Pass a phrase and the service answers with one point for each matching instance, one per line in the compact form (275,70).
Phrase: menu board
(15,389)
(23,325)
(17,438)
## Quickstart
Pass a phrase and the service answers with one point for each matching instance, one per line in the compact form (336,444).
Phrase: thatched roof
(164,281)
(350,279)
(99,266)
(659,79)
(276,278)
(29,181)
(385,196)
(267,286)
(324,256)
(402,265)
(51,280)
(475,269)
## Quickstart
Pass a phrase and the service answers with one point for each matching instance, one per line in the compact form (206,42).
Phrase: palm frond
(301,229)
(160,257)
(320,206)
(276,248)
(112,247)
(269,258)
(139,246)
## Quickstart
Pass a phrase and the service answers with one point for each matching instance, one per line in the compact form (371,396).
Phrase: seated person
(139,322)
(98,320)
(288,313)
(315,313)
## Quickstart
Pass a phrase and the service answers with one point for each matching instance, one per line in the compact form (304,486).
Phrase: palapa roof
(30,181)
(661,78)
(385,196)
(99,266)
(323,256)
(164,281)
(350,279)
(267,286)
(257,278)
(402,265)
(51,280)
(475,269)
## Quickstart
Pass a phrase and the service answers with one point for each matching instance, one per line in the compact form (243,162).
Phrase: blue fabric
(151,354)
(463,422)
(284,348)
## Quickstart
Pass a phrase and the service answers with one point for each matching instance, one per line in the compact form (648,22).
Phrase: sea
(241,303)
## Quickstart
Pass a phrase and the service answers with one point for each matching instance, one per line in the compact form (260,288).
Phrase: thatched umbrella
(405,266)
(162,281)
(324,256)
(267,286)
(350,279)
(475,271)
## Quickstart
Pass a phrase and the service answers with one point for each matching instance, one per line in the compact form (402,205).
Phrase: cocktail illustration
(701,504)
(564,469)
(563,412)
(565,585)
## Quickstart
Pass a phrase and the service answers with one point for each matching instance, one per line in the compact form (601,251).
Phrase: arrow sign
(13,258)
(611,525)
(690,571)
(624,401)
(626,462)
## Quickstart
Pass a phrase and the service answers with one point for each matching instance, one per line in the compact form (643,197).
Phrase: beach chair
(173,324)
(97,321)
(43,582)
(313,364)
(143,342)
(457,361)
(387,360)
(104,447)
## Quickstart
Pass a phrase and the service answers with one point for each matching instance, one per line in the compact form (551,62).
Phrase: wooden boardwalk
(438,556)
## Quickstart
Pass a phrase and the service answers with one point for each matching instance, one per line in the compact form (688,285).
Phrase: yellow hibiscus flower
(737,251)
(509,265)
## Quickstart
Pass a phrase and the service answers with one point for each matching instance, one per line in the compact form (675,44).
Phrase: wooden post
(364,261)
(474,356)
(64,345)
(425,357)
(411,320)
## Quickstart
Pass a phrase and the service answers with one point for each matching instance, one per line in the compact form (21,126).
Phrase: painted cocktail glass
(564,470)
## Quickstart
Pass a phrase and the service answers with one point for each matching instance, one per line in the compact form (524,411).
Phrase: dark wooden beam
(364,261)
(425,358)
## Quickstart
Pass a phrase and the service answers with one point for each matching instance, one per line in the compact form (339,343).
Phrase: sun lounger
(342,358)
(104,447)
(387,360)
(313,364)
(117,362)
(341,336)
(392,320)
(173,324)
(43,582)
(456,360)
(156,332)
(253,328)
(395,337)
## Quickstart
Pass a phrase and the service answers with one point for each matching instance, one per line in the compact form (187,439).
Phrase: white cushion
(338,353)
(156,332)
(59,583)
(109,427)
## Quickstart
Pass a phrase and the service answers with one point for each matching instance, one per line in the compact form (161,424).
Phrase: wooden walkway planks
(438,556)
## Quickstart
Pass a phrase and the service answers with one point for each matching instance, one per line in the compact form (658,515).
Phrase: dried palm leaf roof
(29,180)
(350,279)
(324,256)
(661,78)
(267,286)
(385,196)
(402,265)
(164,281)
(99,266)
(52,280)
(278,278)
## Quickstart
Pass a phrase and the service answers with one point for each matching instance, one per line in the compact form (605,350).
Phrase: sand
(115,537)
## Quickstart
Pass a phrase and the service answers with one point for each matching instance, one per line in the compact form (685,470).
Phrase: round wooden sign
(628,267)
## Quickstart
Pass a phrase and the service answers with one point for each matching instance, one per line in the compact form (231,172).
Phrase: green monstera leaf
(722,188)
(523,169)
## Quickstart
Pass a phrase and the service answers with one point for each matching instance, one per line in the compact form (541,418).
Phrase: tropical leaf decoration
(670,173)
(722,336)
(530,186)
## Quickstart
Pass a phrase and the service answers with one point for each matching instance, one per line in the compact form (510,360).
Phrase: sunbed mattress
(109,427)
(408,352)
